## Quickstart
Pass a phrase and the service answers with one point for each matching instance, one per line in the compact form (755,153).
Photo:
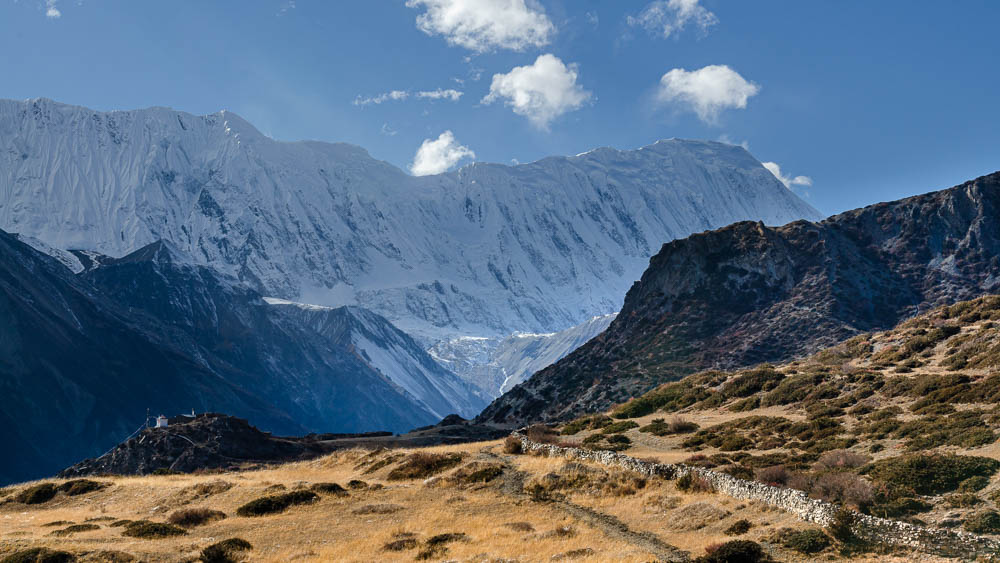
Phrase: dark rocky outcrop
(748,293)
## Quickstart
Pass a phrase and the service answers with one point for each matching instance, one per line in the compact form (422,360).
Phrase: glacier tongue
(487,250)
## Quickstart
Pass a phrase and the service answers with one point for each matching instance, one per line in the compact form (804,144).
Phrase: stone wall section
(950,543)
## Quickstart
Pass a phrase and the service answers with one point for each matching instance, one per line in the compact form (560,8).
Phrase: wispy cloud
(668,17)
(449,94)
(51,10)
(286,7)
(788,181)
(388,131)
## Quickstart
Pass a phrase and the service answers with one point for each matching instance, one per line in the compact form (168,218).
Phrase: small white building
(161,421)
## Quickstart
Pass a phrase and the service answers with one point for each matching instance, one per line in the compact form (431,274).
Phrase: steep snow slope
(392,353)
(496,365)
(485,251)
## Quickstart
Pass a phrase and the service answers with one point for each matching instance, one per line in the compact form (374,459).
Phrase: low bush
(669,397)
(677,425)
(329,489)
(273,504)
(75,528)
(691,483)
(192,517)
(39,555)
(512,445)
(807,541)
(356,484)
(776,475)
(400,545)
(377,509)
(962,500)
(592,422)
(931,474)
(846,489)
(81,487)
(738,528)
(987,522)
(152,530)
(36,494)
(225,551)
(421,465)
(973,484)
(619,427)
(477,472)
(736,551)
(837,460)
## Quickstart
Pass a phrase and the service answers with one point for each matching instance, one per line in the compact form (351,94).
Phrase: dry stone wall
(950,543)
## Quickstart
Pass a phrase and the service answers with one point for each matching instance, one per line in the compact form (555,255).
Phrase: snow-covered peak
(486,250)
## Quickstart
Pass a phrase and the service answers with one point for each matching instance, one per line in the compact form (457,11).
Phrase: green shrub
(677,425)
(39,555)
(619,427)
(591,422)
(36,494)
(225,551)
(807,541)
(931,474)
(963,500)
(274,504)
(973,484)
(987,522)
(400,545)
(899,507)
(668,397)
(421,465)
(152,530)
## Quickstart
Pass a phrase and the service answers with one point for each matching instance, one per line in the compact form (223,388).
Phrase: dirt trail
(513,485)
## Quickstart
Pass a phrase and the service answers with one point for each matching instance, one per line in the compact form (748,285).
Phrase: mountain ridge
(486,250)
(776,293)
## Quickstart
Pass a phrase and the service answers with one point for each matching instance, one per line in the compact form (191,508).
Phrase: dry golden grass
(496,525)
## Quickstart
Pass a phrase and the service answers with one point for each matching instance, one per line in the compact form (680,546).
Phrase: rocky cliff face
(749,293)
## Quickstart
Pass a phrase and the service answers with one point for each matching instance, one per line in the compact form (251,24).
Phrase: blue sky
(871,101)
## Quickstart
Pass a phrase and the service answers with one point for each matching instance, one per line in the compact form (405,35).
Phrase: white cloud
(541,92)
(449,94)
(485,25)
(707,91)
(667,17)
(400,95)
(51,11)
(288,6)
(725,138)
(788,181)
(388,131)
(438,155)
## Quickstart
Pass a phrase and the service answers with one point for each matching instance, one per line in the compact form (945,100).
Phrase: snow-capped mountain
(485,251)
(496,365)
(392,353)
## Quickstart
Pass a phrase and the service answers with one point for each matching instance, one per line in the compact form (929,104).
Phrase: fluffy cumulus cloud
(51,10)
(400,95)
(667,17)
(788,181)
(706,91)
(438,155)
(541,91)
(485,25)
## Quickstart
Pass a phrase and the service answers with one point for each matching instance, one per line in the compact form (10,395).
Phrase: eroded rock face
(748,293)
